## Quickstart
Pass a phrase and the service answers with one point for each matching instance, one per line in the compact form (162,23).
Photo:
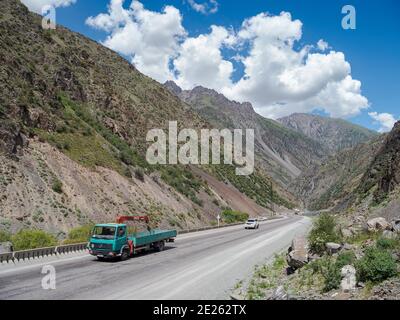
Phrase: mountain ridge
(334,134)
(282,152)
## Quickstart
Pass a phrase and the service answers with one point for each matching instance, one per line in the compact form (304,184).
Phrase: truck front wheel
(125,255)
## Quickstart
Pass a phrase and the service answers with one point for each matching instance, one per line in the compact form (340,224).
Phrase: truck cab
(109,240)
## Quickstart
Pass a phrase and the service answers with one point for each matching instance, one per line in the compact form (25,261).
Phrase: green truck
(111,240)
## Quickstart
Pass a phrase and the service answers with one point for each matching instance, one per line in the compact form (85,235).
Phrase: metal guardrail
(208,228)
(72,248)
(41,252)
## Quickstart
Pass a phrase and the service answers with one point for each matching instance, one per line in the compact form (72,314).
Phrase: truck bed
(148,237)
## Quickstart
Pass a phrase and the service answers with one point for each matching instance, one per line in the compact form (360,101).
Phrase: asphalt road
(200,266)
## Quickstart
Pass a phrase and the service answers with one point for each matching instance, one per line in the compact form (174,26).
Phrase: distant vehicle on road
(252,224)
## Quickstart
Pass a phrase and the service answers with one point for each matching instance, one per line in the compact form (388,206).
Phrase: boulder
(378,224)
(348,247)
(333,248)
(298,253)
(313,257)
(349,279)
(396,225)
(279,294)
(6,247)
(346,233)
(389,234)
(237,297)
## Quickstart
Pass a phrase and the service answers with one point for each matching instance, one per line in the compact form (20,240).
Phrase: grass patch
(265,278)
(79,234)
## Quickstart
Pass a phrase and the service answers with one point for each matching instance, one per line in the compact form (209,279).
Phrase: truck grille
(101,246)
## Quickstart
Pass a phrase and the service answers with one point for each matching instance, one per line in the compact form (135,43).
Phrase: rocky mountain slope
(334,134)
(73,121)
(363,178)
(328,184)
(382,176)
(282,152)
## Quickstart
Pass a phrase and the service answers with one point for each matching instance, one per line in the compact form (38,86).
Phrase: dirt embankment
(45,189)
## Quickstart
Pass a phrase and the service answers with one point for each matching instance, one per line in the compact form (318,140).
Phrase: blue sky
(372,50)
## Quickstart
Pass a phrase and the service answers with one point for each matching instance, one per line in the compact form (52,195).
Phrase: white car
(252,224)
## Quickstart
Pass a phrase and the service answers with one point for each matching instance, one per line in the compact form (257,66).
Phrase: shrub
(387,244)
(376,266)
(345,259)
(32,239)
(79,235)
(139,174)
(57,186)
(5,236)
(230,216)
(332,276)
(197,201)
(323,231)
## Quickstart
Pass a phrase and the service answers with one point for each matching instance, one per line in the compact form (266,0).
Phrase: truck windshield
(104,232)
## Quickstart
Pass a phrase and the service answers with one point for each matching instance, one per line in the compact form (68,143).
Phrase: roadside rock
(6,247)
(298,253)
(389,234)
(378,224)
(313,257)
(388,290)
(279,294)
(396,225)
(237,297)
(346,233)
(333,248)
(348,247)
(349,279)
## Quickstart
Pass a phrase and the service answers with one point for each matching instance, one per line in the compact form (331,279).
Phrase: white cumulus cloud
(385,120)
(280,76)
(150,39)
(280,80)
(322,45)
(205,7)
(200,60)
(37,5)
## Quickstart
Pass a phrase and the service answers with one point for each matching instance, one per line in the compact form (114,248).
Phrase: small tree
(324,230)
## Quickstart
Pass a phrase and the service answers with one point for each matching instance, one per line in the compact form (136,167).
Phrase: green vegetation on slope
(324,230)
(255,186)
(87,141)
(32,239)
(231,216)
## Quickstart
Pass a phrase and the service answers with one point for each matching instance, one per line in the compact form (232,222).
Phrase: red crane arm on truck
(123,219)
